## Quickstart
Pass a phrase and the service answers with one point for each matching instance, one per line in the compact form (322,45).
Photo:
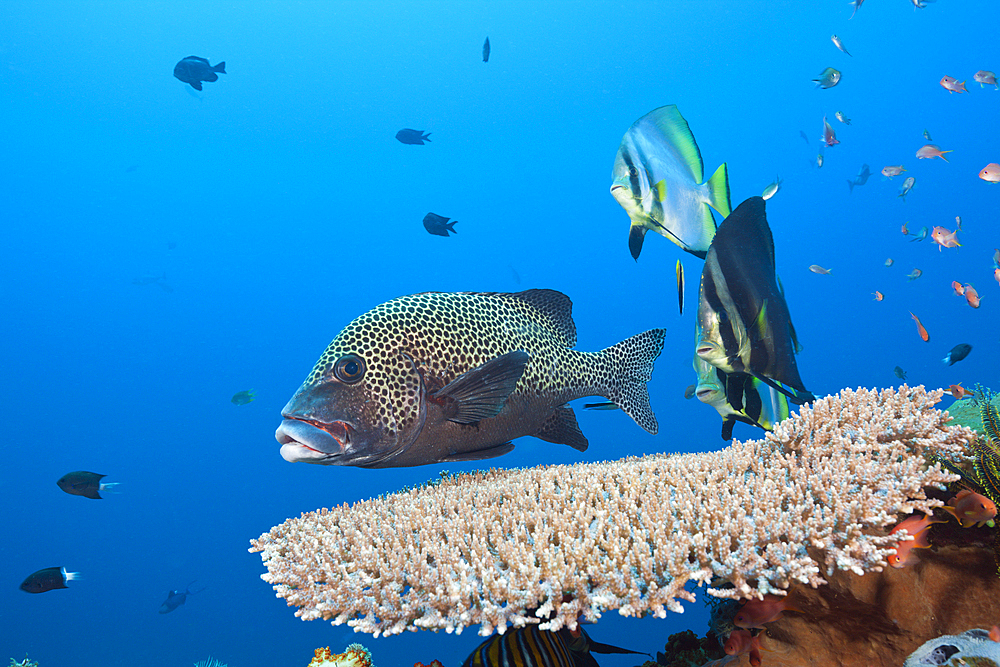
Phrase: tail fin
(451,226)
(850,184)
(718,188)
(220,68)
(70,576)
(633,360)
(427,136)
(110,487)
(943,152)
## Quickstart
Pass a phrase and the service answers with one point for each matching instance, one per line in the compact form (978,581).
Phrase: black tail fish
(486,50)
(745,326)
(439,225)
(177,598)
(193,70)
(413,137)
(680,287)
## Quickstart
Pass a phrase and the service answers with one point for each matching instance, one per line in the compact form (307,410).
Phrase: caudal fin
(633,360)
(220,68)
(451,226)
(110,487)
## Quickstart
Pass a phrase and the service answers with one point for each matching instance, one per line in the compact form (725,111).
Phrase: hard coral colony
(565,543)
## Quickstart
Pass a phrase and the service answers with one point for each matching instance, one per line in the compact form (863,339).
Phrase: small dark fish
(86,484)
(861,178)
(805,138)
(48,579)
(959,352)
(194,70)
(689,392)
(900,373)
(486,50)
(177,598)
(413,137)
(680,287)
(243,397)
(132,168)
(438,225)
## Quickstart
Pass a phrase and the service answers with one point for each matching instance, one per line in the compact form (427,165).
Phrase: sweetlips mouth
(313,442)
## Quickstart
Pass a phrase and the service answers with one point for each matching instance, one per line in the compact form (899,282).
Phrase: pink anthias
(945,238)
(985,78)
(755,613)
(930,151)
(829,136)
(990,173)
(916,527)
(953,85)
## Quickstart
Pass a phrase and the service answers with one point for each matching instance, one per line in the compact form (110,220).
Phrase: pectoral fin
(636,234)
(482,392)
(479,454)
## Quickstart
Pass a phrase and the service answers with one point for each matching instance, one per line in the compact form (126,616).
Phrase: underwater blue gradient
(279,206)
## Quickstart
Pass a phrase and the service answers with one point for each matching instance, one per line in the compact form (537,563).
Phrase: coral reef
(972,648)
(355,655)
(546,545)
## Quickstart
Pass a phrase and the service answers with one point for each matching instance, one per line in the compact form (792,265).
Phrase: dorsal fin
(555,308)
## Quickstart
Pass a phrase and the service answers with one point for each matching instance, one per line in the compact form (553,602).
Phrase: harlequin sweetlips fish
(442,377)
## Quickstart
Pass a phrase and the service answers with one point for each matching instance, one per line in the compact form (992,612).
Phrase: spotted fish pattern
(418,353)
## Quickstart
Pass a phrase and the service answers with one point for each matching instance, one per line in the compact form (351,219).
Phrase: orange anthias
(957,286)
(971,295)
(957,391)
(953,85)
(920,329)
(990,173)
(971,508)
(741,641)
(755,613)
(930,151)
(916,527)
(945,238)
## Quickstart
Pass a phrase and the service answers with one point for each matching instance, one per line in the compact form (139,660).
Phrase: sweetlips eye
(349,368)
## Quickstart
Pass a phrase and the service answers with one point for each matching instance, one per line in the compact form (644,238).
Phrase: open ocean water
(165,249)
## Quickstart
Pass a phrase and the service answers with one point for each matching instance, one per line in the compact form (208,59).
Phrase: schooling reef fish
(440,377)
(413,137)
(657,179)
(990,173)
(839,44)
(438,225)
(243,397)
(86,484)
(743,319)
(177,598)
(957,353)
(860,179)
(194,70)
(48,579)
(828,78)
(985,78)
(952,85)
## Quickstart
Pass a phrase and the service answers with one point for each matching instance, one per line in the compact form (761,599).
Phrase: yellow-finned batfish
(772,188)
(828,78)
(657,178)
(680,287)
(744,322)
(739,397)
(839,44)
(441,377)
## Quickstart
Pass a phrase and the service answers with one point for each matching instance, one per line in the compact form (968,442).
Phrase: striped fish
(744,323)
(531,647)
(657,179)
(739,397)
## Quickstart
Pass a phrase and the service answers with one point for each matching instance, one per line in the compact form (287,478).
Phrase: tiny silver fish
(839,44)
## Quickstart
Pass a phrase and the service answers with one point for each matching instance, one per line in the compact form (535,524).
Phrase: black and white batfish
(743,319)
(739,397)
(658,178)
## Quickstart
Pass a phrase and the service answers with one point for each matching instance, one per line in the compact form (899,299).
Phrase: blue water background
(278,205)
